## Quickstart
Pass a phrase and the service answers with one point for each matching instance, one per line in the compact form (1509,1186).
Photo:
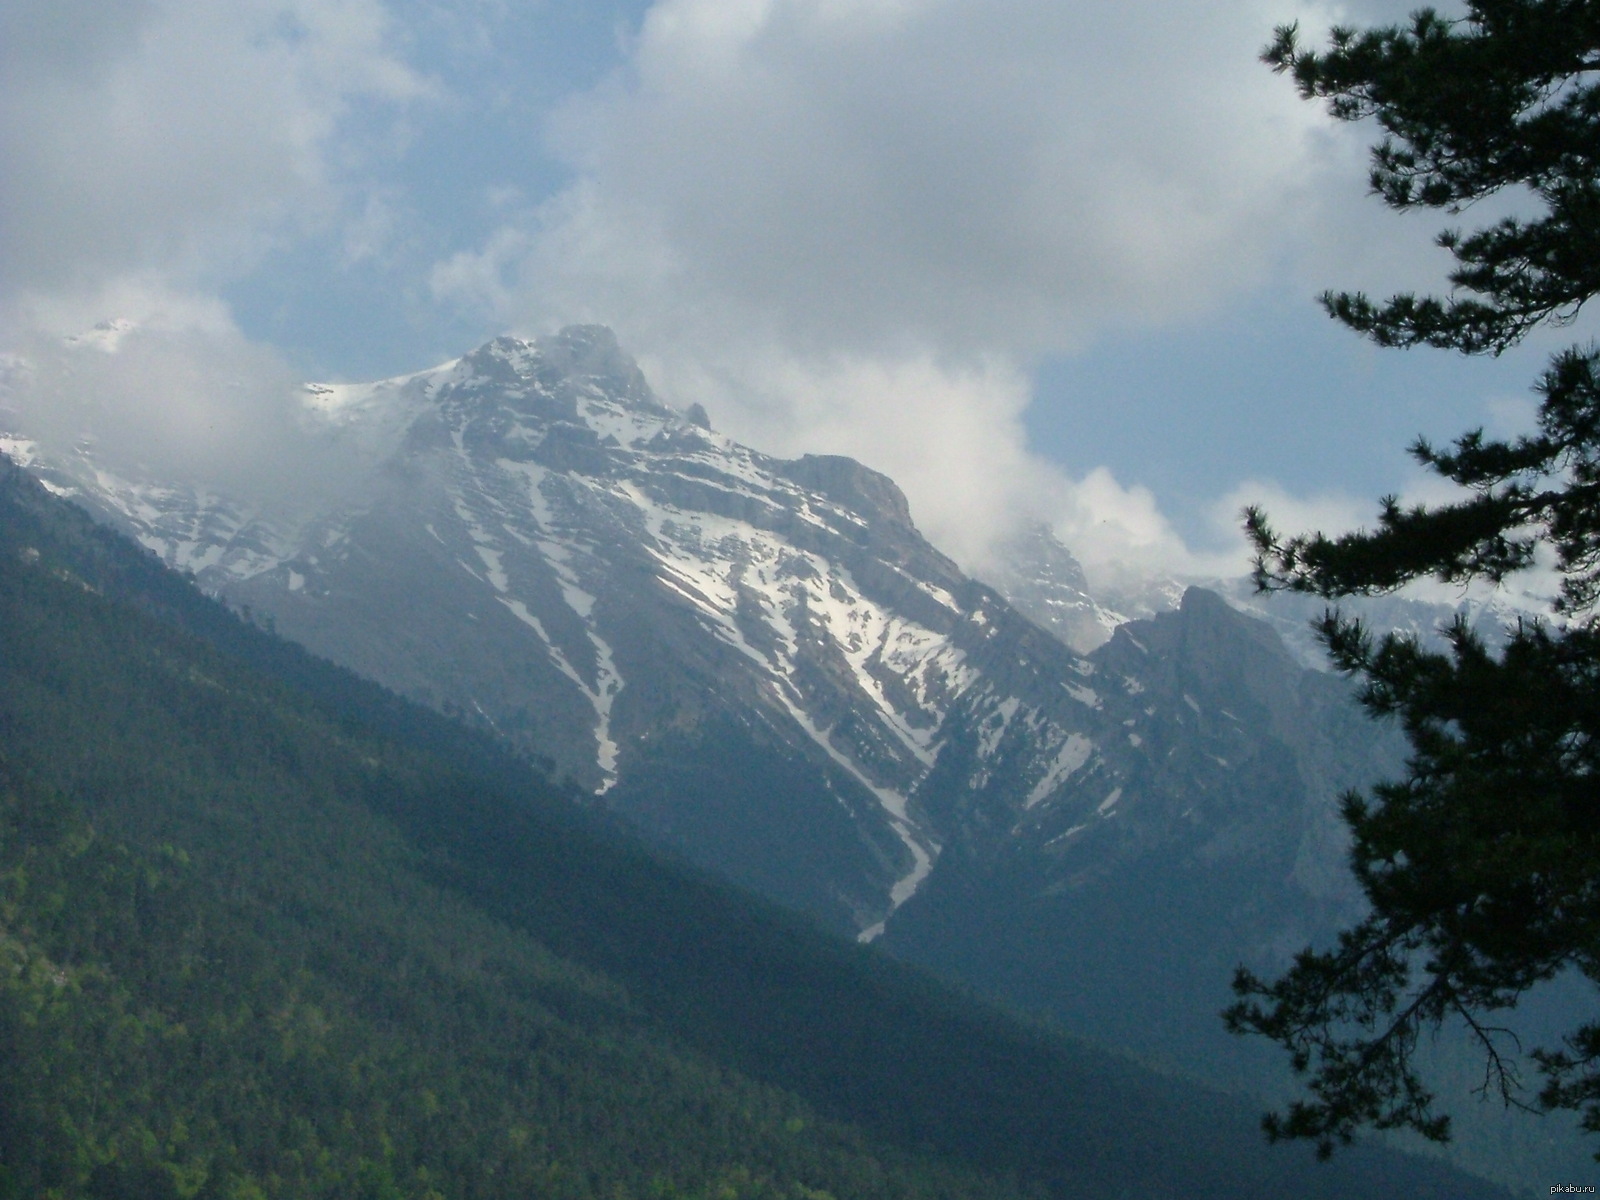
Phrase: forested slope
(268,931)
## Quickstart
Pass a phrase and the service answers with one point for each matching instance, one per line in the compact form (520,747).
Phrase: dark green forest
(267,930)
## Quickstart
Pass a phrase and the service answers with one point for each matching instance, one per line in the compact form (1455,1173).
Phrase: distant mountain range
(765,667)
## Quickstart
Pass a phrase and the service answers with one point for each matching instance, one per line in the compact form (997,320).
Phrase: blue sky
(1037,260)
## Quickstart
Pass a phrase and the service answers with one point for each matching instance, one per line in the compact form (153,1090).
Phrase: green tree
(1481,864)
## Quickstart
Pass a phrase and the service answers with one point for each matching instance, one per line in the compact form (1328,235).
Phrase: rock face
(761,662)
(1202,834)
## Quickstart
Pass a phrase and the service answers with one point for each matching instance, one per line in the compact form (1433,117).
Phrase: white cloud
(1120,535)
(153,150)
(1011,175)
(1290,513)
(853,227)
(201,406)
(844,225)
(161,142)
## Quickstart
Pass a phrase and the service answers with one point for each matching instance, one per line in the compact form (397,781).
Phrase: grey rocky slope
(1247,739)
(760,661)
(1226,845)
(757,660)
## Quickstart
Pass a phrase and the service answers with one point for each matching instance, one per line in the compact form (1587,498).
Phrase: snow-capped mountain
(759,661)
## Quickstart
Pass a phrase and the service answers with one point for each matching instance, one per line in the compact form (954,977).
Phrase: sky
(1038,260)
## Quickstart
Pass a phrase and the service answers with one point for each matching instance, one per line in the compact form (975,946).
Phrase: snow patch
(1073,754)
(923,852)
(1083,695)
(602,692)
(1061,837)
(19,450)
(994,727)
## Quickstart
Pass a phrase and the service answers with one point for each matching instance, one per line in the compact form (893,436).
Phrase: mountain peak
(573,360)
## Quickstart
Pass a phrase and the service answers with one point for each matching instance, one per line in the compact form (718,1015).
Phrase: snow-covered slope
(760,661)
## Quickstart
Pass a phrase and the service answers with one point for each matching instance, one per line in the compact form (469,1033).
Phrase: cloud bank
(197,406)
(153,151)
(850,227)
(854,227)
(161,143)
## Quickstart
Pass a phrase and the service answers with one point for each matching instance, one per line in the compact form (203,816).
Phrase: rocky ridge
(759,661)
